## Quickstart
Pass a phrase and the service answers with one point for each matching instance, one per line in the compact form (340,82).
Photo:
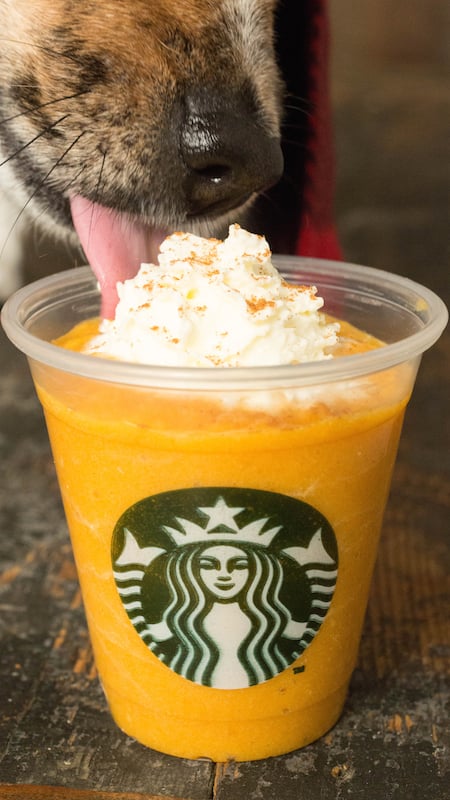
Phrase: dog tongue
(114,244)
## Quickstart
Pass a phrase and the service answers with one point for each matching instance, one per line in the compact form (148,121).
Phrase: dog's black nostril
(228,155)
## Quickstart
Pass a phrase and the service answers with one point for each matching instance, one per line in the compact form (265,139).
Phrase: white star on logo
(220,515)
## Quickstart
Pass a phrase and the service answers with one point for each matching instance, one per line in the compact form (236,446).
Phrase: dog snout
(227,152)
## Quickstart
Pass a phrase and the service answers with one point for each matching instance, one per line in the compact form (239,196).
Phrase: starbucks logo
(226,586)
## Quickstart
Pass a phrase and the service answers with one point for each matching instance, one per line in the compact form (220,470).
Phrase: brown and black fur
(114,100)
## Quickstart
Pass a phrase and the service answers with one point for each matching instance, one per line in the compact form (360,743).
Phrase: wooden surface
(57,740)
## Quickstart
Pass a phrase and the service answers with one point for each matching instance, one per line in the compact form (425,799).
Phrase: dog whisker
(303,108)
(67,185)
(292,99)
(45,210)
(49,50)
(97,192)
(38,187)
(43,105)
(100,175)
(34,139)
(154,86)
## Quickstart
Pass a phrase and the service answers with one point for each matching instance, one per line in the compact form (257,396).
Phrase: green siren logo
(226,586)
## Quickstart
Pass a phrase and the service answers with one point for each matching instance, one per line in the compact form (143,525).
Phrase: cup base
(225,740)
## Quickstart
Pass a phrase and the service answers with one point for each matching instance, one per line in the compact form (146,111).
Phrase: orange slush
(117,447)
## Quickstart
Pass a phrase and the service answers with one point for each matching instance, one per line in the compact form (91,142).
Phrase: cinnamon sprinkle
(256,304)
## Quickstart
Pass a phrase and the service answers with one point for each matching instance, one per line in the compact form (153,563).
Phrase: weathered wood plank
(55,727)
(30,792)
(392,743)
(57,740)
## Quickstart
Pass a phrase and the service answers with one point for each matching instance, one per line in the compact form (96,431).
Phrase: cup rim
(230,378)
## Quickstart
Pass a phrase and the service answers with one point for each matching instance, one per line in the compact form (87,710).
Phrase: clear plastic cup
(225,521)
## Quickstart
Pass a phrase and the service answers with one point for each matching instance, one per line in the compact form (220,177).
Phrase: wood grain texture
(57,740)
(32,792)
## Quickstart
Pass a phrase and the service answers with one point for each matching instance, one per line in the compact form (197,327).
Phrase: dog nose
(227,153)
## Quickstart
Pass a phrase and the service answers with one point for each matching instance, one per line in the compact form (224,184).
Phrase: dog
(123,120)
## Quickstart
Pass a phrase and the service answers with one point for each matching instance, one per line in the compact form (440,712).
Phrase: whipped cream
(212,303)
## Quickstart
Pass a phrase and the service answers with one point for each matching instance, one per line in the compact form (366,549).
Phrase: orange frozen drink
(225,524)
